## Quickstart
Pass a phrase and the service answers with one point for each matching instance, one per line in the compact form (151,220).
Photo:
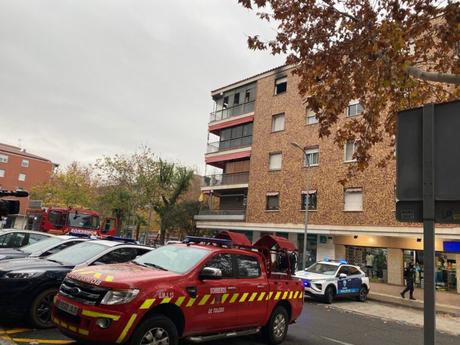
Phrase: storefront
(373,261)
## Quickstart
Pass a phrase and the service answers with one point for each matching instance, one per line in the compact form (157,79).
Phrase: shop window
(280,85)
(353,199)
(278,122)
(311,118)
(349,151)
(312,200)
(275,161)
(354,109)
(273,202)
(311,157)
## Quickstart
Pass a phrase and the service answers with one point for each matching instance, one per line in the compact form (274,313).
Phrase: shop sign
(451,247)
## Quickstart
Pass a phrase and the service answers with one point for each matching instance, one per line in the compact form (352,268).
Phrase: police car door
(356,280)
(215,307)
(348,285)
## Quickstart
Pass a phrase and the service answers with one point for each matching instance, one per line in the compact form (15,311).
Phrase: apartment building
(21,170)
(257,183)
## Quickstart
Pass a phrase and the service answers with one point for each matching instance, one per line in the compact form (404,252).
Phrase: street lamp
(304,255)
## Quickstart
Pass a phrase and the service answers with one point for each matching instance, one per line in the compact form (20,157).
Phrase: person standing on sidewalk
(409,275)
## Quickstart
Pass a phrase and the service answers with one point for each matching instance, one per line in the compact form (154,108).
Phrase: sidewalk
(446,302)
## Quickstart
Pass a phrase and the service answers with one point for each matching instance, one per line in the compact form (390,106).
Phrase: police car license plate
(68,308)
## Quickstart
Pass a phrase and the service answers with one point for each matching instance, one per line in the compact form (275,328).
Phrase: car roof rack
(208,240)
(120,239)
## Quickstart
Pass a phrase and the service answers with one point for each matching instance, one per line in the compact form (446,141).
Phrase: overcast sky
(80,79)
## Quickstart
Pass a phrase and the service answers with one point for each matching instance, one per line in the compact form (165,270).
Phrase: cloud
(86,78)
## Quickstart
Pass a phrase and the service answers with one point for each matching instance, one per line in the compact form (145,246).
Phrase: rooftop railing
(235,110)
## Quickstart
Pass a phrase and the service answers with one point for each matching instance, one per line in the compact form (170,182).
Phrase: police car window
(353,271)
(320,268)
(34,238)
(118,256)
(224,262)
(60,247)
(343,269)
(14,240)
(248,266)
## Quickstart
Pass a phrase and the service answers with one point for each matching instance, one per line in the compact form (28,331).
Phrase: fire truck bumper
(90,323)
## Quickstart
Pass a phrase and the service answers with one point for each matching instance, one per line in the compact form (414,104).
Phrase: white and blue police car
(326,280)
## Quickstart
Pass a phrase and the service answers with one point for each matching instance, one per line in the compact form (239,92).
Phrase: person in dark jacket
(409,275)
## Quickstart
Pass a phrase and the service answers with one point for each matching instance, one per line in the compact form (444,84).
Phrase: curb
(390,299)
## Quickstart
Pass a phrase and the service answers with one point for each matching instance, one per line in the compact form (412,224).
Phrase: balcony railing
(225,179)
(222,215)
(236,110)
(229,144)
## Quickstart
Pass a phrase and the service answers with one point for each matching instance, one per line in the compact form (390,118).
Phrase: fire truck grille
(84,293)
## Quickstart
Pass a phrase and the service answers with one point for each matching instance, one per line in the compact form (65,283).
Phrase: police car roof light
(195,239)
(76,234)
(120,239)
(343,261)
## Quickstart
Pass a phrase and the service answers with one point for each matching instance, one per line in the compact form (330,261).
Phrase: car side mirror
(210,273)
(342,276)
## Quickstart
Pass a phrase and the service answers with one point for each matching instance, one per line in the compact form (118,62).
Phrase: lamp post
(307,196)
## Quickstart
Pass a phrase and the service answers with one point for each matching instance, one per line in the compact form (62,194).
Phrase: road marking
(15,330)
(336,341)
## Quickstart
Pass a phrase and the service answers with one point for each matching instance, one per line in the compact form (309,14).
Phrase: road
(319,324)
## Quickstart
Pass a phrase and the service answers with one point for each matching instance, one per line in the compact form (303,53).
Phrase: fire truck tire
(40,310)
(155,329)
(277,327)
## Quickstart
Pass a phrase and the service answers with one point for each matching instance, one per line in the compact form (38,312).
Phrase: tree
(390,55)
(71,187)
(127,184)
(172,181)
(182,218)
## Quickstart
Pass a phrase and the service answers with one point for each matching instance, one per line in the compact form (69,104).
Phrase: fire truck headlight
(103,323)
(119,296)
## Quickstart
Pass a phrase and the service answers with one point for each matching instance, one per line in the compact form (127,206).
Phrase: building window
(280,85)
(22,177)
(275,161)
(3,158)
(2,173)
(312,200)
(354,109)
(25,163)
(311,157)
(273,202)
(277,122)
(311,118)
(353,199)
(236,98)
(349,151)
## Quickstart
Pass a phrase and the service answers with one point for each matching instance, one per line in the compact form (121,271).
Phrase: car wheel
(40,310)
(329,295)
(363,292)
(158,330)
(276,329)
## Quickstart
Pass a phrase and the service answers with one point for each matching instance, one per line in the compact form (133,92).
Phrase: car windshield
(319,268)
(178,259)
(82,220)
(78,253)
(41,245)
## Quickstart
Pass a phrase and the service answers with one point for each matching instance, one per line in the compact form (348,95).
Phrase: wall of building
(377,183)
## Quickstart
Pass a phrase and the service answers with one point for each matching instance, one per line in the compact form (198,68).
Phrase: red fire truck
(200,290)
(59,221)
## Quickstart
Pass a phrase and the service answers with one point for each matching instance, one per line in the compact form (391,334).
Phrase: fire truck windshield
(81,220)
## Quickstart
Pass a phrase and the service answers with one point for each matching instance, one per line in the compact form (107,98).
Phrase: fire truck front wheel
(155,330)
(277,327)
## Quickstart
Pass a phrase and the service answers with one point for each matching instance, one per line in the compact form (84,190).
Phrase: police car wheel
(40,311)
(276,330)
(362,297)
(329,295)
(155,330)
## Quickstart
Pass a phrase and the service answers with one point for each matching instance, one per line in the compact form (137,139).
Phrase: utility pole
(307,202)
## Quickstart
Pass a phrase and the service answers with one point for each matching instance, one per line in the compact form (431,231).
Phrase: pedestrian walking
(409,276)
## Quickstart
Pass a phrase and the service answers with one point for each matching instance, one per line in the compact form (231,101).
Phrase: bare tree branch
(433,76)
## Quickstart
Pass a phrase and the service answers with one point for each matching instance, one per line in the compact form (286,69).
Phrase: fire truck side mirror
(210,273)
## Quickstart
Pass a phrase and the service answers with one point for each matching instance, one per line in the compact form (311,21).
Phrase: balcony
(230,144)
(221,215)
(223,180)
(236,110)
